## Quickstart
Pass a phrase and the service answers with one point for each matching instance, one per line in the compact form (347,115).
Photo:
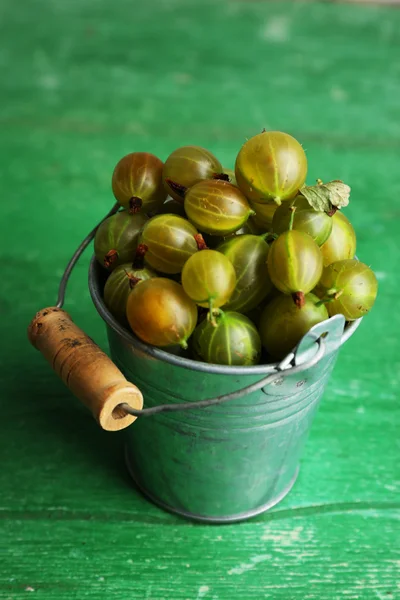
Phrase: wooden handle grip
(84,368)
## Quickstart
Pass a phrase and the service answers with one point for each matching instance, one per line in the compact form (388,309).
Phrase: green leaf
(327,196)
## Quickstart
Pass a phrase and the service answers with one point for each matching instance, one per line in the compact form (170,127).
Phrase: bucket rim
(152,351)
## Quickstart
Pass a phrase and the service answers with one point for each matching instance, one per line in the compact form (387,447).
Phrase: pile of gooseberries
(233,266)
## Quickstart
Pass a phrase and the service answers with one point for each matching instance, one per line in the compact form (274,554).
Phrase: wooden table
(84,83)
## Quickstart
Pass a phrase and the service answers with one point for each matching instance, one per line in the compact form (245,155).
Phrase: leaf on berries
(327,197)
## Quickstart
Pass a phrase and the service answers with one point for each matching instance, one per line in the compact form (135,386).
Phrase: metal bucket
(226,462)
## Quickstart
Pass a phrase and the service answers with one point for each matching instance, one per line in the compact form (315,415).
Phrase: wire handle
(76,256)
(99,384)
(281,370)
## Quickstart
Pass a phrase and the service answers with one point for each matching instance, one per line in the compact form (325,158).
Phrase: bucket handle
(98,383)
(88,372)
(322,340)
(281,370)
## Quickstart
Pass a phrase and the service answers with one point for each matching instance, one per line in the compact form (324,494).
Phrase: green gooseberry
(283,324)
(248,255)
(232,340)
(316,224)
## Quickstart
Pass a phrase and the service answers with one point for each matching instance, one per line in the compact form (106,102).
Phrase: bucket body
(225,462)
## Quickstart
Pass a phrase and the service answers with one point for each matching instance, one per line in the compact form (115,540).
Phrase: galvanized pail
(229,461)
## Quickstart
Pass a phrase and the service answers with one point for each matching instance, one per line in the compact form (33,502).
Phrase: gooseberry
(316,223)
(349,287)
(120,284)
(209,278)
(341,244)
(248,255)
(295,264)
(232,340)
(137,182)
(271,166)
(186,166)
(283,324)
(160,312)
(117,238)
(216,207)
(170,241)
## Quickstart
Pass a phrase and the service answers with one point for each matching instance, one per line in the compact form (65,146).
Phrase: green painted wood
(84,83)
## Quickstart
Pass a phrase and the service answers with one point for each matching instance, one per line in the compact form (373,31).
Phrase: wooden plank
(332,554)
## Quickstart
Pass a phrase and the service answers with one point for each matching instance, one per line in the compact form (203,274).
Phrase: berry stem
(213,313)
(269,236)
(221,177)
(110,258)
(138,261)
(299,299)
(338,294)
(135,204)
(324,301)
(132,279)
(179,189)
(292,211)
(201,244)
(331,212)
(334,293)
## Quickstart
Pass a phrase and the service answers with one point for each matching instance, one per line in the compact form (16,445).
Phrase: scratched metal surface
(82,84)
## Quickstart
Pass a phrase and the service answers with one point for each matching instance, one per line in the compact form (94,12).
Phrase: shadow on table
(48,412)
